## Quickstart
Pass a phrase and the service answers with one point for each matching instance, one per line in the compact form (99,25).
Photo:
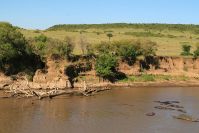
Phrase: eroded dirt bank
(54,76)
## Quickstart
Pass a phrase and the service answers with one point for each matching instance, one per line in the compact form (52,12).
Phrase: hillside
(169,37)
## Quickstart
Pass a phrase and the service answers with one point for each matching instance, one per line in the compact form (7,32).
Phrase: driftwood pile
(25,91)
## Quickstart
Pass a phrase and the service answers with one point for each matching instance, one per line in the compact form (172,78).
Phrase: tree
(109,35)
(186,50)
(69,43)
(106,66)
(15,54)
(39,45)
(12,42)
(127,50)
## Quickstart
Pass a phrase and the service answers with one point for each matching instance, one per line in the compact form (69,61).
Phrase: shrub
(63,49)
(186,50)
(196,52)
(44,46)
(104,47)
(38,45)
(90,50)
(127,50)
(41,38)
(148,48)
(69,43)
(106,66)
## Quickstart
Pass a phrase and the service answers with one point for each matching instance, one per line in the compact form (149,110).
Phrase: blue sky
(41,14)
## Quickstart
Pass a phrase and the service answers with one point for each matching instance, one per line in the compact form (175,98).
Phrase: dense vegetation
(44,46)
(177,27)
(20,54)
(15,54)
(106,66)
(186,50)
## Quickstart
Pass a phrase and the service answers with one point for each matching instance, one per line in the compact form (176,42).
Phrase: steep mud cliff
(53,76)
(176,66)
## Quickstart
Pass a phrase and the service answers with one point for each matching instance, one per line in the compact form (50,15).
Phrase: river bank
(158,72)
(83,89)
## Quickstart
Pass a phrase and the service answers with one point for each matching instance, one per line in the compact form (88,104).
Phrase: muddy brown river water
(116,111)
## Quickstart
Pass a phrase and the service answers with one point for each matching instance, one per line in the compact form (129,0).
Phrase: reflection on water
(116,111)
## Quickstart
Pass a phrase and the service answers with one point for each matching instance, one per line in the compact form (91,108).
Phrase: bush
(44,46)
(186,50)
(127,50)
(69,47)
(41,38)
(148,48)
(106,66)
(196,52)
(104,47)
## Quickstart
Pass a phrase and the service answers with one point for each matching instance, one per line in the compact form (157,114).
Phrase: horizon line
(194,24)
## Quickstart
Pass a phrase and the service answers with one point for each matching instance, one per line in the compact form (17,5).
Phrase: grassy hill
(169,37)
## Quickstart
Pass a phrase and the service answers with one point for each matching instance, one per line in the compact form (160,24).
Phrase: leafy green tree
(15,54)
(39,45)
(106,66)
(127,50)
(109,35)
(12,42)
(186,50)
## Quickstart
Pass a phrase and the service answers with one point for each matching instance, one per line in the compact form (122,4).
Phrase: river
(121,110)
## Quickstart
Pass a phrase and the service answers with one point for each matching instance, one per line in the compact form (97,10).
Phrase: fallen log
(51,94)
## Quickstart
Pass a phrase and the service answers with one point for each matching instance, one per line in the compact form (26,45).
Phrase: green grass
(151,78)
